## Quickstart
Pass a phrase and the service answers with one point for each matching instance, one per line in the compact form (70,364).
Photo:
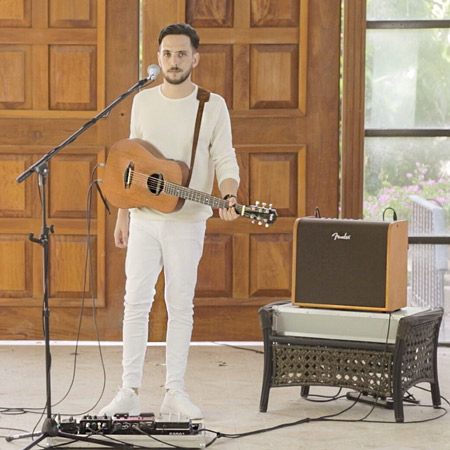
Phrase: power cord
(88,265)
(326,418)
(237,347)
(394,213)
(325,398)
(429,390)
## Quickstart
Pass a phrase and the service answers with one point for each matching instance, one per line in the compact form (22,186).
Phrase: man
(165,116)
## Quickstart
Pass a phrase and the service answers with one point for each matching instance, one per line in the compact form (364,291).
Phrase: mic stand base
(50,430)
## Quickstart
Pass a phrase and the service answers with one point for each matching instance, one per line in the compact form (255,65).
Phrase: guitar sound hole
(155,183)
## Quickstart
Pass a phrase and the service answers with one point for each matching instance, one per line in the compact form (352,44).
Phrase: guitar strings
(153,182)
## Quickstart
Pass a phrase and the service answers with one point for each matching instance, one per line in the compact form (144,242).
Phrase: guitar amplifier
(350,264)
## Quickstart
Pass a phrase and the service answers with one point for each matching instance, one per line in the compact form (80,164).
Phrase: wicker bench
(381,369)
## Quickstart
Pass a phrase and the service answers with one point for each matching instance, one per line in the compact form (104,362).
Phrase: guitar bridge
(128,176)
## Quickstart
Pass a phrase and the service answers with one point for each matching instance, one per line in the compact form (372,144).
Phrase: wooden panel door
(276,63)
(54,57)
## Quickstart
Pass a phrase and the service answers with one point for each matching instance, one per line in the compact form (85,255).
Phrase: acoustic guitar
(138,175)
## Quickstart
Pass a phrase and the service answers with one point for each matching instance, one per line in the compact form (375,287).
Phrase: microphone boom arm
(153,72)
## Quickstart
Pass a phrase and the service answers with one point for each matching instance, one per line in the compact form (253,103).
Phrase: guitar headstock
(261,214)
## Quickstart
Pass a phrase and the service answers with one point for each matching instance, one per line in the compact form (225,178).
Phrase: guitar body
(135,171)
(137,175)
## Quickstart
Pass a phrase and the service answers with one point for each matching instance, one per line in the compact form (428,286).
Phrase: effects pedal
(95,424)
(371,399)
(147,424)
(168,429)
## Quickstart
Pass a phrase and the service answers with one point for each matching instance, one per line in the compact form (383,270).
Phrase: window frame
(354,131)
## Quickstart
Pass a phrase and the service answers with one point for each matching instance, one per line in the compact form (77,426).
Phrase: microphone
(153,72)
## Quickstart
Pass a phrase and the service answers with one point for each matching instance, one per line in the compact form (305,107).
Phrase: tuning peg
(259,223)
(270,205)
(264,204)
(257,202)
(253,222)
(266,225)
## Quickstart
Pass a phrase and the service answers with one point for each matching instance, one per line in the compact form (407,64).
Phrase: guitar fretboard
(196,196)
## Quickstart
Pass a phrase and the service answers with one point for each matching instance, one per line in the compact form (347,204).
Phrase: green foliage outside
(398,197)
(396,168)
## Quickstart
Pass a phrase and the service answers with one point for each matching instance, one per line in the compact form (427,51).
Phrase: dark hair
(180,28)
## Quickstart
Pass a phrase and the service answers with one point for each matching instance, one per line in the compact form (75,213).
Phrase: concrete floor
(224,380)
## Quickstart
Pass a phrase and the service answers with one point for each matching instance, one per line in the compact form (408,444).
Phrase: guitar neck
(197,196)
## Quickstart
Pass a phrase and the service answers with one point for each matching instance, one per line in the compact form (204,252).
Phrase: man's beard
(177,80)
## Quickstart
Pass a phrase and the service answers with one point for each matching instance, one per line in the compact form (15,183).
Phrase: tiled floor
(225,382)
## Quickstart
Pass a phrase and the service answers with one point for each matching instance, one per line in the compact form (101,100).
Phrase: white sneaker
(126,401)
(176,401)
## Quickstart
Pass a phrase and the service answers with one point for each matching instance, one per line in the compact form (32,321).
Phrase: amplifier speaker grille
(350,264)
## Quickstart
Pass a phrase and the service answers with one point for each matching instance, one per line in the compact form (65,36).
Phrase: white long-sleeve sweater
(168,124)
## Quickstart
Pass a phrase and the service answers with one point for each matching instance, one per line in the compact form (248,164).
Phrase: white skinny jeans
(178,247)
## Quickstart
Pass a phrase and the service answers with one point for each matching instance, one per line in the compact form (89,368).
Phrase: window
(407,106)
(407,134)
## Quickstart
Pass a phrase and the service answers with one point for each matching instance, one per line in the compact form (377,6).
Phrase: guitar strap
(202,97)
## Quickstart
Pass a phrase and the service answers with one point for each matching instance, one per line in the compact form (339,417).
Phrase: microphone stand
(50,426)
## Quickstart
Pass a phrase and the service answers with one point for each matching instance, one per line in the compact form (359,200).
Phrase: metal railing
(428,262)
